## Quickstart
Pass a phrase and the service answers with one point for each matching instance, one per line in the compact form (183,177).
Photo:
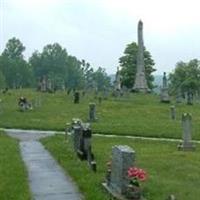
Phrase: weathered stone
(173,112)
(140,84)
(189,98)
(92,112)
(164,95)
(186,145)
(76,97)
(117,80)
(81,135)
(122,158)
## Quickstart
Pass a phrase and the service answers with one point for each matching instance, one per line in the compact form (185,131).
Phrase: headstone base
(164,96)
(186,147)
(116,195)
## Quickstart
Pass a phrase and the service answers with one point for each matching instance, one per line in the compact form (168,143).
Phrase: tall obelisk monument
(140,84)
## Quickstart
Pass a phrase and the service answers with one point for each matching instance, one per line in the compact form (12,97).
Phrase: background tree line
(66,70)
(53,63)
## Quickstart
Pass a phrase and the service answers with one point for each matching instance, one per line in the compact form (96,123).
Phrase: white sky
(99,30)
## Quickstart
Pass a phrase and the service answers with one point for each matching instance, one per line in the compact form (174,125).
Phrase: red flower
(134,172)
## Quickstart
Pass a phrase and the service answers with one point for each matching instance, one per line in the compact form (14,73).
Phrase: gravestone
(1,106)
(81,139)
(117,82)
(178,97)
(164,95)
(173,112)
(186,145)
(43,84)
(189,97)
(92,112)
(140,84)
(76,97)
(123,158)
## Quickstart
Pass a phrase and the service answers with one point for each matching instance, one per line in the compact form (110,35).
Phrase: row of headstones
(123,157)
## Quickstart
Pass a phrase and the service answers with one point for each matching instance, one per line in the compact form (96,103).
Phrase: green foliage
(128,62)
(13,176)
(169,170)
(2,81)
(186,77)
(15,69)
(101,79)
(14,49)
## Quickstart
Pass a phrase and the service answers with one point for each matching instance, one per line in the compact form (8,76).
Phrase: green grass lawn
(169,171)
(13,176)
(140,115)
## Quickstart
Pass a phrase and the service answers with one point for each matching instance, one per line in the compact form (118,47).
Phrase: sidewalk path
(46,178)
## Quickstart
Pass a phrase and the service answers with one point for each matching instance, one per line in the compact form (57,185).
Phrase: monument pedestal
(164,96)
(186,147)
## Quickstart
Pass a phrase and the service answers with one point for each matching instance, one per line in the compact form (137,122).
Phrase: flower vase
(134,192)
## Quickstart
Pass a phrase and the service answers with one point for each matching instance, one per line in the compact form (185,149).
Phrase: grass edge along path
(13,174)
(170,171)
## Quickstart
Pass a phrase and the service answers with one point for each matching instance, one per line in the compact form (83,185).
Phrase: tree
(101,79)
(128,62)
(15,69)
(186,77)
(14,49)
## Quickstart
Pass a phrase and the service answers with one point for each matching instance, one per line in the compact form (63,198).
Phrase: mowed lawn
(169,171)
(139,115)
(13,176)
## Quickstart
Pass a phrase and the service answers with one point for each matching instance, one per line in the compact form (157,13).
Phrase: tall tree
(16,70)
(128,63)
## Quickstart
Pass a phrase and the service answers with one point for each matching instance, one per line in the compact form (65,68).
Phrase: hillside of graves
(13,175)
(169,171)
(131,114)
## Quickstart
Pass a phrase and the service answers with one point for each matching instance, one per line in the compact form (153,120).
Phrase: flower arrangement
(135,175)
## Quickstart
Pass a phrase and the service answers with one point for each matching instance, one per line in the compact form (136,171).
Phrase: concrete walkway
(46,178)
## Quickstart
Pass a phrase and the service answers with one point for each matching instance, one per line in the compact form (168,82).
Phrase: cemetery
(70,132)
(170,159)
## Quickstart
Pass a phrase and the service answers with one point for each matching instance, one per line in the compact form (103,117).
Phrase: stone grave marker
(92,112)
(76,97)
(123,158)
(173,112)
(1,106)
(189,97)
(81,139)
(186,145)
(164,95)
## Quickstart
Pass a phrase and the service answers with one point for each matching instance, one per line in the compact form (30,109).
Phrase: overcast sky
(99,30)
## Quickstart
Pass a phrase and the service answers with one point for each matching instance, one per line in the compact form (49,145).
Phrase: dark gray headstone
(92,112)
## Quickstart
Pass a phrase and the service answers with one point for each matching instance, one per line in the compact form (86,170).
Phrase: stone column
(122,158)
(164,94)
(173,112)
(186,145)
(92,112)
(140,84)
